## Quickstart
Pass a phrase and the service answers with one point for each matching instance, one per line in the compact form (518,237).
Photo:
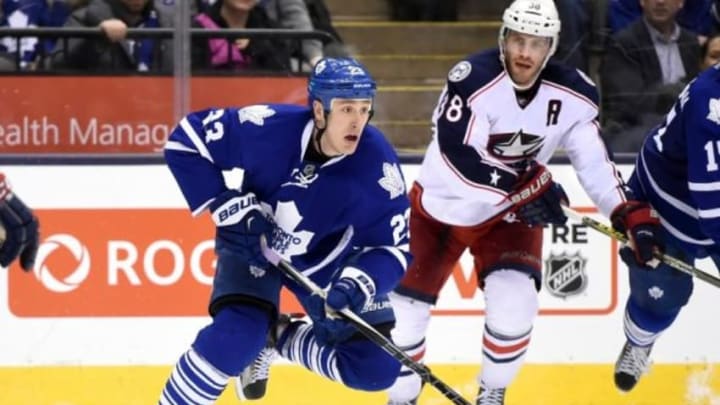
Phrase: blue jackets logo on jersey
(515,146)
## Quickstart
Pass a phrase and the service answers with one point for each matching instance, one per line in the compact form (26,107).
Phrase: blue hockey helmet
(339,78)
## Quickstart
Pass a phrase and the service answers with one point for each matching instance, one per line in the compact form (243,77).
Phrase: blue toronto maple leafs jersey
(350,210)
(678,168)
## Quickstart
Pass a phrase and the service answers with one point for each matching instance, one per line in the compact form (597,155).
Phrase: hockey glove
(642,227)
(354,290)
(240,224)
(538,199)
(22,236)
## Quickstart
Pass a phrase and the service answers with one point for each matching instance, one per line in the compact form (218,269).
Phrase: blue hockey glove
(240,224)
(538,199)
(353,290)
(641,225)
(22,236)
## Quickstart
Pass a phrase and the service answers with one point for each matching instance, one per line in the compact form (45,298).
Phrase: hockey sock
(408,384)
(193,381)
(299,345)
(221,349)
(642,328)
(502,357)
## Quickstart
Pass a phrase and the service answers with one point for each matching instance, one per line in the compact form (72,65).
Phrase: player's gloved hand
(538,198)
(354,289)
(22,236)
(642,227)
(240,224)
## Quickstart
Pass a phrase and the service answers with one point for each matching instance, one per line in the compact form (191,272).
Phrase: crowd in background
(117,53)
(641,53)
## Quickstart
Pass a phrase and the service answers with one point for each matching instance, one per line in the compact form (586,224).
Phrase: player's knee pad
(662,291)
(233,339)
(236,281)
(365,366)
(411,319)
(511,302)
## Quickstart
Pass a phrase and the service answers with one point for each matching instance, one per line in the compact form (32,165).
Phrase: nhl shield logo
(565,274)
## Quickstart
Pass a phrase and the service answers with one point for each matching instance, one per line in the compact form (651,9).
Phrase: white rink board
(571,337)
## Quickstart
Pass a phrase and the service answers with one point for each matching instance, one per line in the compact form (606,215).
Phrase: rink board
(289,385)
(125,275)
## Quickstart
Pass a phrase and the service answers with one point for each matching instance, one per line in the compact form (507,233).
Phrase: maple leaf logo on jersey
(286,240)
(392,180)
(714,107)
(515,146)
(255,114)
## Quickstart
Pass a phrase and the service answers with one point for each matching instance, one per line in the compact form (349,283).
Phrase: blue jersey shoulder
(571,78)
(475,71)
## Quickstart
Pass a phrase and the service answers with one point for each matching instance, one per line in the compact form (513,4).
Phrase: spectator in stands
(645,67)
(293,14)
(710,52)
(115,52)
(699,16)
(238,53)
(296,14)
(423,10)
(28,14)
(575,21)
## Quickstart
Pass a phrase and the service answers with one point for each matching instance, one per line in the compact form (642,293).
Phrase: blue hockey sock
(193,381)
(643,327)
(221,350)
(299,345)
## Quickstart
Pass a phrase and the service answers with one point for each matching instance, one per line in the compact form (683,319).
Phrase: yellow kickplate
(695,384)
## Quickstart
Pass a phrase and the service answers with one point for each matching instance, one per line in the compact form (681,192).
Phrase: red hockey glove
(538,198)
(641,225)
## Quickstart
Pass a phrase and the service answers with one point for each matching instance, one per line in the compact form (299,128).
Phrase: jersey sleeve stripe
(683,237)
(710,186)
(195,139)
(679,205)
(396,251)
(177,146)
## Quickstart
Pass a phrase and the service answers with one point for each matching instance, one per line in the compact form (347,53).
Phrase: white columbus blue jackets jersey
(482,134)
(677,169)
(352,206)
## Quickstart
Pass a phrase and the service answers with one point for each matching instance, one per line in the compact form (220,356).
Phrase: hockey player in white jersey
(326,190)
(677,173)
(483,186)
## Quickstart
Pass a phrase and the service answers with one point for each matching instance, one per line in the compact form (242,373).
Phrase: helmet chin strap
(317,135)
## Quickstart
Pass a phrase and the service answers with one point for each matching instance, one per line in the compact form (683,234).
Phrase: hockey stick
(368,331)
(620,237)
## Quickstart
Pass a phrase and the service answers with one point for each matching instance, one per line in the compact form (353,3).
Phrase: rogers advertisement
(117,114)
(135,250)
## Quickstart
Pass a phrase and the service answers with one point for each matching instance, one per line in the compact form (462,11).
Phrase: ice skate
(631,365)
(251,384)
(490,396)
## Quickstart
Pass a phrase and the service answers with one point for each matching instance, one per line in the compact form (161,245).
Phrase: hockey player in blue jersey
(327,191)
(677,172)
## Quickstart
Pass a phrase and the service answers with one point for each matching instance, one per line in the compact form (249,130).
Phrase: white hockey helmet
(533,17)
